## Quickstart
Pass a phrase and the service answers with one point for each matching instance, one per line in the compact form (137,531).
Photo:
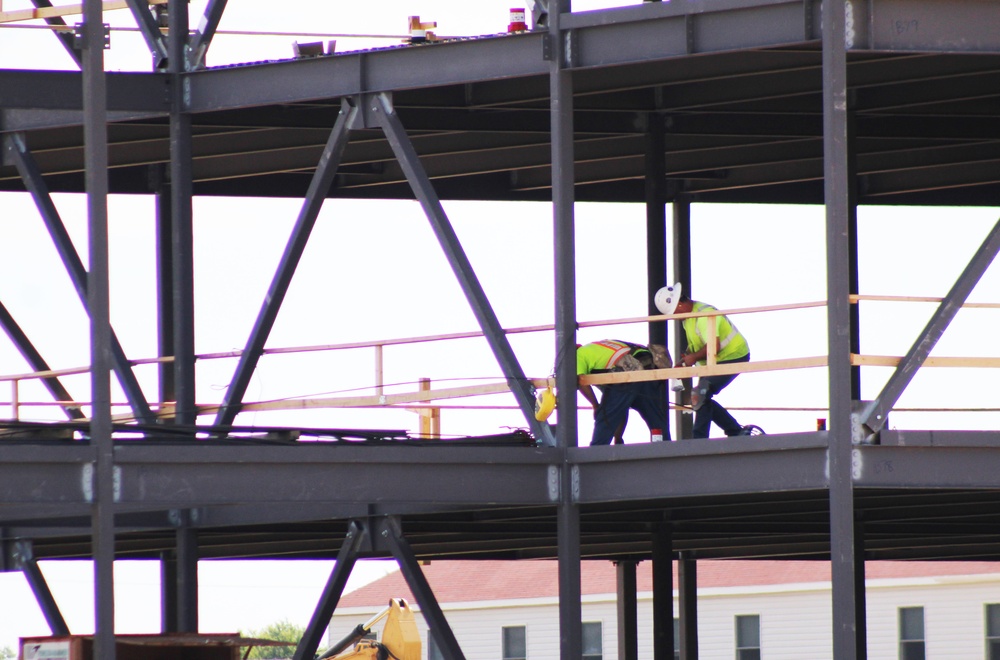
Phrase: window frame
(600,654)
(906,645)
(744,648)
(991,636)
(504,652)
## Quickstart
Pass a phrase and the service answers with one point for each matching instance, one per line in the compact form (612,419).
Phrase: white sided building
(507,610)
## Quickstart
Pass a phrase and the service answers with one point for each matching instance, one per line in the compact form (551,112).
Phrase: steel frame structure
(692,100)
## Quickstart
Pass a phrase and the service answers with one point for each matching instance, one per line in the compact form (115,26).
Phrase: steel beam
(565,494)
(876,413)
(164,284)
(82,281)
(683,419)
(206,31)
(663,594)
(627,604)
(520,385)
(656,221)
(38,363)
(150,31)
(181,221)
(65,37)
(687,577)
(104,349)
(186,543)
(25,560)
(617,473)
(847,608)
(356,537)
(391,535)
(318,188)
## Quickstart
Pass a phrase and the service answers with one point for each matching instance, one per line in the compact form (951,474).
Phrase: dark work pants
(648,398)
(711,411)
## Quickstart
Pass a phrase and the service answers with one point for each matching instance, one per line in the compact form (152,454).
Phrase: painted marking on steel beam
(87,482)
(116,483)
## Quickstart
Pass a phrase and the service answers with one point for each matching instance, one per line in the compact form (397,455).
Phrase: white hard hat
(667,297)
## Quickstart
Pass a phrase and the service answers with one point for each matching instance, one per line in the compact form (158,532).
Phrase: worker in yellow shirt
(648,398)
(731,346)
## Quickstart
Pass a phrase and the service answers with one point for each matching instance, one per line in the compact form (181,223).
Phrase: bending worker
(648,398)
(731,346)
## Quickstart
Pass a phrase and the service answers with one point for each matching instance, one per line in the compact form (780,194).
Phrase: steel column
(564,240)
(318,188)
(687,577)
(96,286)
(406,155)
(25,560)
(35,184)
(628,618)
(187,571)
(876,412)
(683,419)
(37,363)
(861,639)
(357,534)
(854,283)
(663,595)
(389,532)
(656,221)
(181,225)
(165,286)
(836,155)
(168,592)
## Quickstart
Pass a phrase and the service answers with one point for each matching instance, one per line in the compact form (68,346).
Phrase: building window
(433,652)
(748,637)
(677,639)
(593,641)
(911,633)
(515,646)
(993,632)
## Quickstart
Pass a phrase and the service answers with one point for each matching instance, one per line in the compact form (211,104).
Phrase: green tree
(7,653)
(280,631)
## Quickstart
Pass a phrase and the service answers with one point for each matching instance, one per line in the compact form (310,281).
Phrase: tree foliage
(7,653)
(280,631)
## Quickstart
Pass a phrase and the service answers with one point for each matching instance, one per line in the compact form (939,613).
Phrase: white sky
(400,285)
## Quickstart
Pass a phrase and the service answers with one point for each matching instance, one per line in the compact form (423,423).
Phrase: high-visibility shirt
(732,344)
(599,356)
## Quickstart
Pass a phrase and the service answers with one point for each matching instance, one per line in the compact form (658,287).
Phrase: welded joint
(22,554)
(369,108)
(184,517)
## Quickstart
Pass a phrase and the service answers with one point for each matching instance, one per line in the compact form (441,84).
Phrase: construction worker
(731,346)
(648,398)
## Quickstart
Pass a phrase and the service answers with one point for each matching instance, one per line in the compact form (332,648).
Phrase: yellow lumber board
(892,361)
(63,10)
(871,298)
(690,372)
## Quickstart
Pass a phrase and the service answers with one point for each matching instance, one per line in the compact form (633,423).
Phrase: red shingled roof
(468,581)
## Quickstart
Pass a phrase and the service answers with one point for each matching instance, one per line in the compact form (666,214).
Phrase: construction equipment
(400,639)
